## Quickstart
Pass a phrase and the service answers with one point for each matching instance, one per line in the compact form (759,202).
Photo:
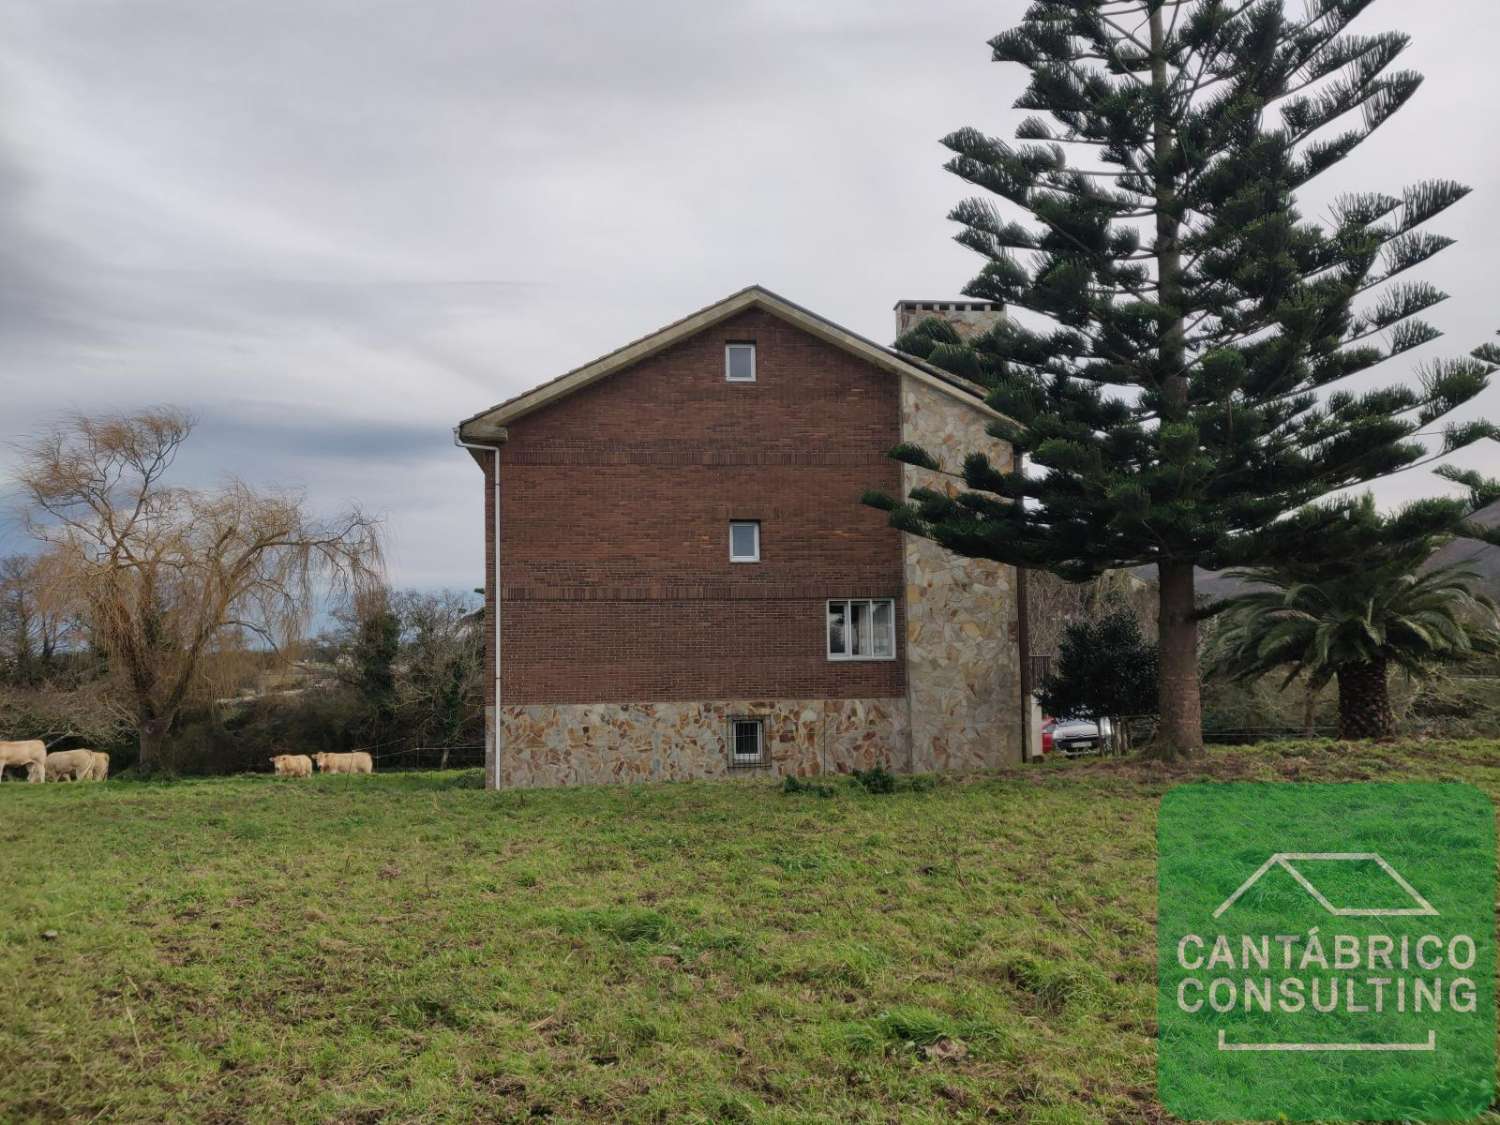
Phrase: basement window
(747,743)
(862,629)
(744,541)
(739,362)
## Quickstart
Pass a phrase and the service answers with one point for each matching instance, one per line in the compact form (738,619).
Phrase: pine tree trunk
(1181,729)
(1181,710)
(1365,702)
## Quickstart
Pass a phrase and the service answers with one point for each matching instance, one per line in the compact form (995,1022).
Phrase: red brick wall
(616,504)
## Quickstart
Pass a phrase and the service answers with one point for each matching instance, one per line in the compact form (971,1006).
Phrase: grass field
(411,948)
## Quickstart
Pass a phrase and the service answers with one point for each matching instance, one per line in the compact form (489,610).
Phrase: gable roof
(487,424)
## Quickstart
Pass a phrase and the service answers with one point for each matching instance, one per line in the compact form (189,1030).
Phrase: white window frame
(738,760)
(848,603)
(729,347)
(734,558)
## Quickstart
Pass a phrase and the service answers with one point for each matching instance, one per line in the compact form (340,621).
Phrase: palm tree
(1353,625)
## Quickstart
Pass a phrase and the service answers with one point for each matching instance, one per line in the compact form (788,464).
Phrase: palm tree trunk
(1365,702)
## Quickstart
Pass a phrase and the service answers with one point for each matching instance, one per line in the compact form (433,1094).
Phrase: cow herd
(301,765)
(91,765)
(60,765)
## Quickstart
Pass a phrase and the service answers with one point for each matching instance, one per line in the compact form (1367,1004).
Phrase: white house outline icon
(1283,860)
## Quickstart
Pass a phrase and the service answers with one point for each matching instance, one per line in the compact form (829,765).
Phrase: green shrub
(794,786)
(881,781)
(875,780)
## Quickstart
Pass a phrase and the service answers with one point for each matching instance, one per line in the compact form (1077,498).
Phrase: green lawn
(409,947)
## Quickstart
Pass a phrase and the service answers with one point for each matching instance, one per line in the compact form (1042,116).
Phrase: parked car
(1072,737)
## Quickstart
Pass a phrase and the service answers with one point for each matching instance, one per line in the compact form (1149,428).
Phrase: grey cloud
(37,299)
(249,433)
(334,227)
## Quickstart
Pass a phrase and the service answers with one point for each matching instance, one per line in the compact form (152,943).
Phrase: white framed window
(744,541)
(747,743)
(739,362)
(862,629)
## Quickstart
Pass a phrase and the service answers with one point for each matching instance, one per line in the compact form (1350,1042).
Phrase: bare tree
(1053,604)
(80,711)
(34,622)
(175,582)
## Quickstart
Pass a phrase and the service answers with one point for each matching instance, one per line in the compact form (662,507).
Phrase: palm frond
(1312,624)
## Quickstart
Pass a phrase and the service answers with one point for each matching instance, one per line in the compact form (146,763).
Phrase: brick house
(688,585)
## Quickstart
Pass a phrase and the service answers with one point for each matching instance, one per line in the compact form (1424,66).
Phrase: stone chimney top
(969,318)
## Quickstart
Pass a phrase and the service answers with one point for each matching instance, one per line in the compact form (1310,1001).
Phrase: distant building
(688,586)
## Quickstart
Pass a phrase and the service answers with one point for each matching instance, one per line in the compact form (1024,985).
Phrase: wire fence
(427,757)
(1244,736)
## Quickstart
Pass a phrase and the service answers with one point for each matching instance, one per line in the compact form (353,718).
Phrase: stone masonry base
(607,743)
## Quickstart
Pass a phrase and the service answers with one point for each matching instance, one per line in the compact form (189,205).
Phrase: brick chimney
(969,318)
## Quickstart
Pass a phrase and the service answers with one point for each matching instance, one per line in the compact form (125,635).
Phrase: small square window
(747,743)
(739,363)
(744,541)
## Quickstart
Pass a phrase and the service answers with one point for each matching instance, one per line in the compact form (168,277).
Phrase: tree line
(170,624)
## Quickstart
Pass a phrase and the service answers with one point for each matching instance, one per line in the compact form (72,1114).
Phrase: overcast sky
(333,228)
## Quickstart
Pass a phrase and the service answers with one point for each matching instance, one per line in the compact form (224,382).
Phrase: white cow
(70,765)
(292,765)
(32,755)
(357,762)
